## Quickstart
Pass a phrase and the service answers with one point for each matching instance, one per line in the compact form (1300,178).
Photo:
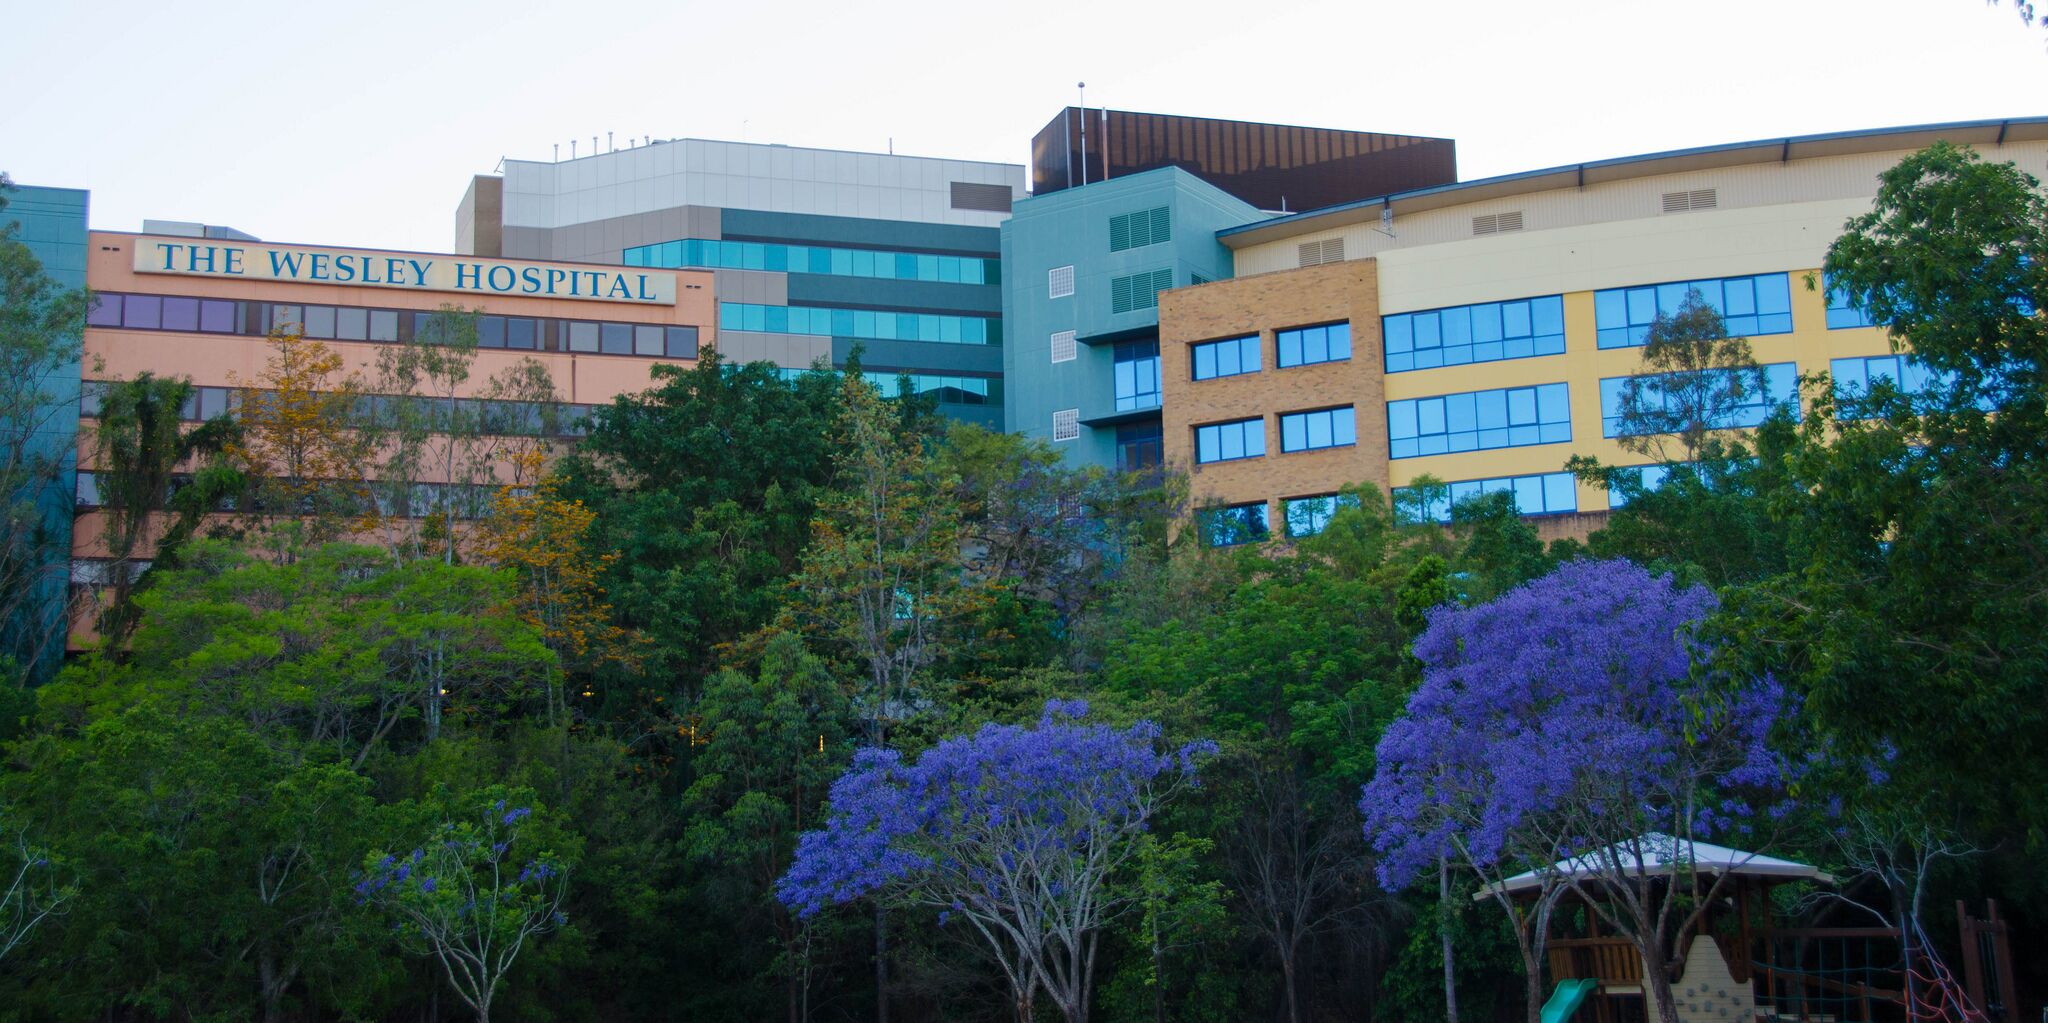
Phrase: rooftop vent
(1697,199)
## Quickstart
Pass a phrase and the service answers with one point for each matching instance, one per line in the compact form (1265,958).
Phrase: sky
(361,123)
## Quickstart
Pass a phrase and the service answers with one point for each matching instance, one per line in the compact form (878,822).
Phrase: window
(1781,389)
(1323,428)
(1137,230)
(615,339)
(1748,305)
(1307,516)
(1479,421)
(1553,493)
(678,342)
(1235,524)
(144,312)
(320,321)
(1066,424)
(1059,282)
(1137,291)
(1137,375)
(647,340)
(582,336)
(1224,442)
(1140,446)
(1302,346)
(182,313)
(880,325)
(1063,346)
(817,259)
(354,325)
(1486,332)
(1226,358)
(1843,315)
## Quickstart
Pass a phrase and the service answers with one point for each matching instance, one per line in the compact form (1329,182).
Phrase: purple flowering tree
(474,895)
(1018,833)
(1567,720)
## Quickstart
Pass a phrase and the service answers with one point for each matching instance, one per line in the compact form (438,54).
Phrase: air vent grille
(1495,223)
(1063,346)
(1138,291)
(1697,199)
(1329,250)
(1066,425)
(1059,282)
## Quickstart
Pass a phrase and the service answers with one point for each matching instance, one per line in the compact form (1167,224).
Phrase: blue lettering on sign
(511,278)
(170,252)
(394,271)
(619,289)
(529,280)
(234,261)
(644,296)
(285,264)
(555,279)
(344,267)
(468,276)
(317,267)
(419,272)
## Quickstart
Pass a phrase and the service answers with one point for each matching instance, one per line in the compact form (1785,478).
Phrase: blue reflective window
(859,323)
(1226,358)
(1236,524)
(1749,307)
(1487,332)
(1323,428)
(1307,516)
(1780,390)
(1479,421)
(1553,493)
(1853,378)
(1844,315)
(817,259)
(1136,368)
(1223,442)
(1305,346)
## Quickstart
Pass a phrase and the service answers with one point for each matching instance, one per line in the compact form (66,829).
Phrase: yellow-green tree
(299,445)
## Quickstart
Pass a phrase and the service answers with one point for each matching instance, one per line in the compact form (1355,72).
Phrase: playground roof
(1659,855)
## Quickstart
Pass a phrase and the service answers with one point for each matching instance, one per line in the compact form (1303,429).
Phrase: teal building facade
(1082,272)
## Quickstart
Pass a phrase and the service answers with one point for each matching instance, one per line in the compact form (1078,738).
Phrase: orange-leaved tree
(300,448)
(544,539)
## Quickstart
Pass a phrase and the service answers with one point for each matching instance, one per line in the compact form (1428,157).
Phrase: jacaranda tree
(474,894)
(1566,719)
(1021,833)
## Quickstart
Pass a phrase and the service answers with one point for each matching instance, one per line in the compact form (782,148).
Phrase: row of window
(879,264)
(1312,430)
(1486,332)
(1551,493)
(1296,346)
(1780,390)
(418,500)
(1749,306)
(949,390)
(1479,420)
(353,323)
(867,324)
(1230,525)
(485,416)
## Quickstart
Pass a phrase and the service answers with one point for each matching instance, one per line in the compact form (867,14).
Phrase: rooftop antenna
(572,149)
(1083,86)
(593,145)
(558,152)
(1105,143)
(608,146)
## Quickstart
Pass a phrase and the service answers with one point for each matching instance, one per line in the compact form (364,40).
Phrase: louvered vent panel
(1059,282)
(1495,223)
(1063,346)
(986,198)
(1697,199)
(1329,250)
(1137,230)
(1138,291)
(1066,424)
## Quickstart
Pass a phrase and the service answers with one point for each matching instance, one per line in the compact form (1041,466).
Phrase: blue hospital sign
(207,257)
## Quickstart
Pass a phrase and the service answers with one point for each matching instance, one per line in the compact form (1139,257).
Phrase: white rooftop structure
(1660,854)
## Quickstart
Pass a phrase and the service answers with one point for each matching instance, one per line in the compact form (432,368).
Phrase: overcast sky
(360,123)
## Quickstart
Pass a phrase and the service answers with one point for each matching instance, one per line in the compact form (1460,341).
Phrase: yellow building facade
(1586,252)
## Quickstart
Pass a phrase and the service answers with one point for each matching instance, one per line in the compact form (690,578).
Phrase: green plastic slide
(1565,1001)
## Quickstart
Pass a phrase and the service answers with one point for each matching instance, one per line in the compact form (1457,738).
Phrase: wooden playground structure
(1735,966)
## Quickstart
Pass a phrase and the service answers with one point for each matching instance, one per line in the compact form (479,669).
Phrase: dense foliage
(762,698)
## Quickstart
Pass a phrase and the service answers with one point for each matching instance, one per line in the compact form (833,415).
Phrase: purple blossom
(1575,695)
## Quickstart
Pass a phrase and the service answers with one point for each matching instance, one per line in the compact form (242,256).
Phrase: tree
(1698,379)
(301,448)
(456,896)
(42,325)
(774,742)
(1566,716)
(34,886)
(141,448)
(1018,832)
(1909,613)
(882,577)
(544,539)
